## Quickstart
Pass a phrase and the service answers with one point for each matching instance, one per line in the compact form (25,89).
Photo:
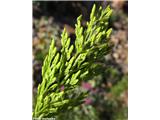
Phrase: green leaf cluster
(63,70)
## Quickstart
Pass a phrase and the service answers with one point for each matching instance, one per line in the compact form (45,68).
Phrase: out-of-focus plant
(83,112)
(103,102)
(64,70)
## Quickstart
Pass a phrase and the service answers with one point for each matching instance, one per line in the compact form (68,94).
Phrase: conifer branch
(67,69)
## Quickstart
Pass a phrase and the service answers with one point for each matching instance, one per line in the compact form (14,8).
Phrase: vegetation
(104,86)
(62,69)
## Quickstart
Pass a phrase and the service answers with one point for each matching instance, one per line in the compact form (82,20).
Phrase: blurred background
(108,92)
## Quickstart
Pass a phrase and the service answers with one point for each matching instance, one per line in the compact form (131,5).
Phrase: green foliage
(63,71)
(83,112)
(120,87)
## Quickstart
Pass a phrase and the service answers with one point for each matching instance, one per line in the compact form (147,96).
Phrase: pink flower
(86,85)
(62,88)
(88,101)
